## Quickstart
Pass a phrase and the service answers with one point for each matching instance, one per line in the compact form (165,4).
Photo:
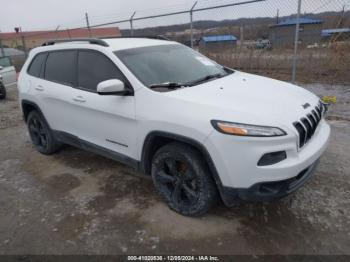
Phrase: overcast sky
(48,14)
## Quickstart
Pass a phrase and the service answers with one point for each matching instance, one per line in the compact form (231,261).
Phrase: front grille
(307,125)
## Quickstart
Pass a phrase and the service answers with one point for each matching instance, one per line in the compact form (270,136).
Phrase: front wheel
(183,180)
(2,91)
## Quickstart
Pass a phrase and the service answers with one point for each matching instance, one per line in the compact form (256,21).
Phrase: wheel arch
(27,107)
(156,139)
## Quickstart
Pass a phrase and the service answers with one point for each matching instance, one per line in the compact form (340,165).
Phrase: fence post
(191,22)
(131,24)
(296,42)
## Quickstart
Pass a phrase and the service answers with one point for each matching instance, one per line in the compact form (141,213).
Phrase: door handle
(79,99)
(39,88)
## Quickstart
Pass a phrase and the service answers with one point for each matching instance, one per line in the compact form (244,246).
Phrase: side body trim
(75,141)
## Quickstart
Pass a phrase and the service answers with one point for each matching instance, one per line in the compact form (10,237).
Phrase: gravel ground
(79,203)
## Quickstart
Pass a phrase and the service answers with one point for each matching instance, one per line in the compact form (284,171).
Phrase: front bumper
(269,191)
(236,161)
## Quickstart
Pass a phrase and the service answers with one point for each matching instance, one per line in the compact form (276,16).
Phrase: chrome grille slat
(315,115)
(306,126)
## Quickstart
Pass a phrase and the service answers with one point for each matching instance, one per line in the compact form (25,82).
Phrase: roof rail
(159,37)
(93,41)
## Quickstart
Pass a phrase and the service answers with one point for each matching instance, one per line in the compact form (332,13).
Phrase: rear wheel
(41,135)
(2,91)
(183,180)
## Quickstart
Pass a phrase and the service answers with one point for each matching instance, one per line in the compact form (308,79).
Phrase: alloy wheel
(178,182)
(38,133)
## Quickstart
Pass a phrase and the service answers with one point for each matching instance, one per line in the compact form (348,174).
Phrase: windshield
(176,64)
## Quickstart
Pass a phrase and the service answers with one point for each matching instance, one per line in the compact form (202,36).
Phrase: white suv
(199,129)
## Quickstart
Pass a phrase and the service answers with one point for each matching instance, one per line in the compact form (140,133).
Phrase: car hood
(250,98)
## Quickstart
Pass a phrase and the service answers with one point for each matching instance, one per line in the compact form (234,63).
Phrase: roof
(128,43)
(60,34)
(302,21)
(115,44)
(329,32)
(219,38)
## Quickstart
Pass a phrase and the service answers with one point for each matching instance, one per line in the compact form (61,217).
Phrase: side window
(94,68)
(5,62)
(61,67)
(35,66)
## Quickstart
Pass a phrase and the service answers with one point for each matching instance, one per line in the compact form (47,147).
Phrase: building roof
(219,38)
(302,21)
(329,32)
(74,33)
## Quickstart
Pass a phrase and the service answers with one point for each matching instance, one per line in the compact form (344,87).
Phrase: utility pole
(191,23)
(278,16)
(131,24)
(88,23)
(296,42)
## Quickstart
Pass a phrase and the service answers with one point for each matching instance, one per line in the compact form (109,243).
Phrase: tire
(41,135)
(183,180)
(2,91)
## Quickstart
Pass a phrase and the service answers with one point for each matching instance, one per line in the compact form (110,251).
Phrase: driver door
(103,121)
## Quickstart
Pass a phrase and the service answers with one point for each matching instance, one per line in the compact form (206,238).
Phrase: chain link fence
(265,37)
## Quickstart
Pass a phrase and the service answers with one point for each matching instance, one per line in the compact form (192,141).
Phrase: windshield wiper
(170,85)
(203,79)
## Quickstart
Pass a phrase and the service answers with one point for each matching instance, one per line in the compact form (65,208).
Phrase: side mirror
(112,87)
(1,68)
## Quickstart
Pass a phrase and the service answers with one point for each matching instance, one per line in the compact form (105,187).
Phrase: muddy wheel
(2,91)
(41,135)
(183,180)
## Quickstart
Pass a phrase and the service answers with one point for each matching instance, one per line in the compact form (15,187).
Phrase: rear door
(8,72)
(55,90)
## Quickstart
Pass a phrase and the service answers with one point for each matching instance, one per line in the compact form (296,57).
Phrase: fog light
(272,158)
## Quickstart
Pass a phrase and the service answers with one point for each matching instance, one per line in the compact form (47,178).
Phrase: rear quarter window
(36,65)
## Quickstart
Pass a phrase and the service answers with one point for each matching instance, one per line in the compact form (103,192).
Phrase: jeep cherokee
(201,130)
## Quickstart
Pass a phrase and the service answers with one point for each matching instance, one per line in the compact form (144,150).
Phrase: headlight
(246,130)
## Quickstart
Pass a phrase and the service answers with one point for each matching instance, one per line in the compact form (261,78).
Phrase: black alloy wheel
(183,180)
(179,182)
(38,133)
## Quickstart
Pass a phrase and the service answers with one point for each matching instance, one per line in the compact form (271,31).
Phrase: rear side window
(61,67)
(94,68)
(35,66)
